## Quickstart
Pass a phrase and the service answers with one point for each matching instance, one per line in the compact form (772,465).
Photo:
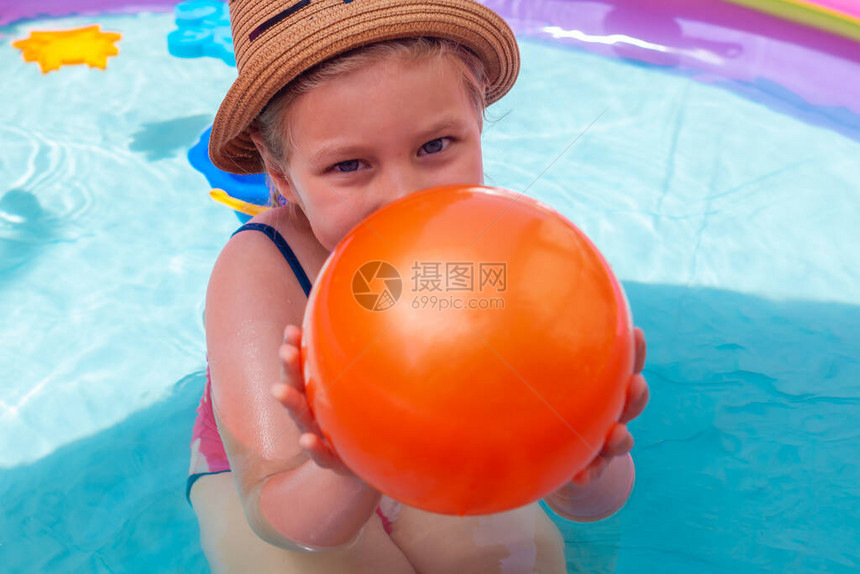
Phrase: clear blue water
(734,228)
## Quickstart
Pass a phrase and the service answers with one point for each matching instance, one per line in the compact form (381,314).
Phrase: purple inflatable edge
(12,11)
(712,40)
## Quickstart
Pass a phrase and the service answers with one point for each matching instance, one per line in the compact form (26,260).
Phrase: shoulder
(297,232)
(251,277)
(254,255)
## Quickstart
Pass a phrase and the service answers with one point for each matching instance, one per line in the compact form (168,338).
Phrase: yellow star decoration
(88,45)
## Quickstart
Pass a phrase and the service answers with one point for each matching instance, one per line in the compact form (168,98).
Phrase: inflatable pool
(719,179)
(14,10)
(841,17)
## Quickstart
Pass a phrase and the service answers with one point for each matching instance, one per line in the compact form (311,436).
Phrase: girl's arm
(289,500)
(310,508)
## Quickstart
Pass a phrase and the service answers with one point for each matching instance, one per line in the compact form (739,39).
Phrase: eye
(435,146)
(346,166)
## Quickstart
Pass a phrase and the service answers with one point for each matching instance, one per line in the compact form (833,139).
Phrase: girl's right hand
(290,392)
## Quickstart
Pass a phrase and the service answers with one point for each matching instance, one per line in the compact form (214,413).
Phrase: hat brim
(290,50)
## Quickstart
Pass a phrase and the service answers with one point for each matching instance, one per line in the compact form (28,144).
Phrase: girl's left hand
(290,392)
(620,441)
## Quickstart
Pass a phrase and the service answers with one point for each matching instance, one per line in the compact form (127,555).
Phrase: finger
(297,405)
(641,350)
(582,477)
(620,442)
(291,366)
(280,391)
(594,469)
(293,335)
(321,453)
(637,398)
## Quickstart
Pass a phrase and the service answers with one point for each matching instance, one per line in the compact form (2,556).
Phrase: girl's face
(375,135)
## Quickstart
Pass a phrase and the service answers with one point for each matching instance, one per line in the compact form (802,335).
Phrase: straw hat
(277,40)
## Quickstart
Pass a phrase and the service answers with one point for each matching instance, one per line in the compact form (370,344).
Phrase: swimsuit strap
(285,250)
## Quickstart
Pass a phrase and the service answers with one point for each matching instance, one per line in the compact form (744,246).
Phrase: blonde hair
(275,132)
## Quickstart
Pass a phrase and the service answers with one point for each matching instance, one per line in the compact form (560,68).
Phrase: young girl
(348,105)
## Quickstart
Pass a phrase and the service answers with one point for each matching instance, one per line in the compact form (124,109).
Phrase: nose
(398,182)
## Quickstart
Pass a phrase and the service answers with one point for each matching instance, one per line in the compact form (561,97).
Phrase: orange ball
(466,350)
